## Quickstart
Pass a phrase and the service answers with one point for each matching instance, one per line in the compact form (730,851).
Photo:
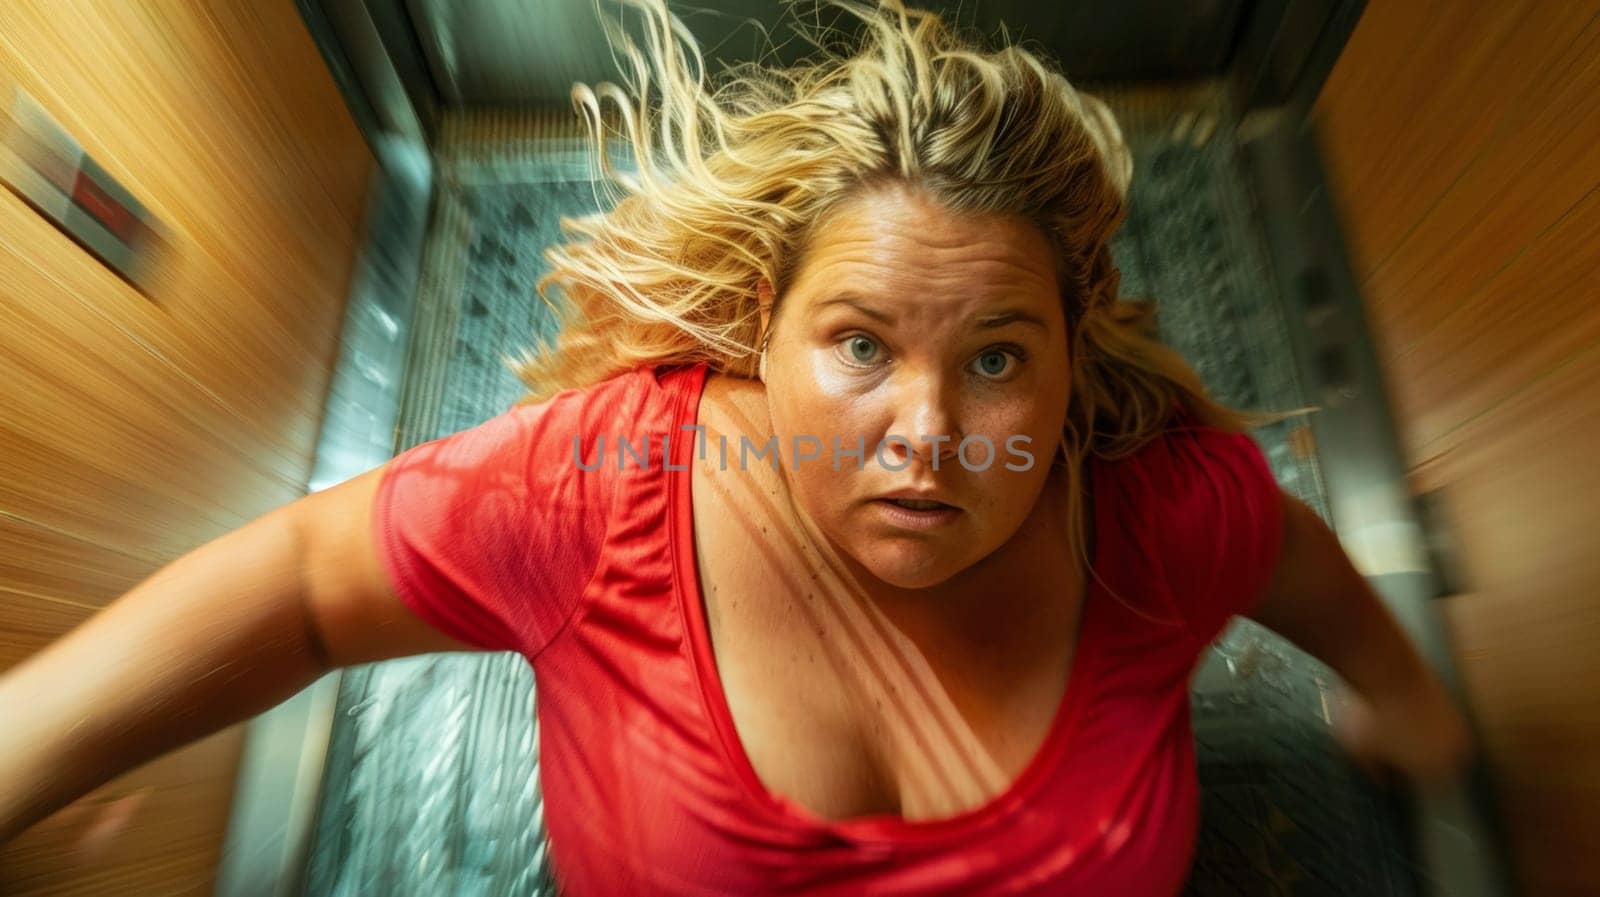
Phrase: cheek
(825,492)
(812,397)
(807,404)
(1008,495)
(1039,418)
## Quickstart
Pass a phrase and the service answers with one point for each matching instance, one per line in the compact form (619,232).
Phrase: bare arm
(1317,599)
(219,635)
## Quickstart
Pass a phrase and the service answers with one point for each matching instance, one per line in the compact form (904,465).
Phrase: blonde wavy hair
(734,173)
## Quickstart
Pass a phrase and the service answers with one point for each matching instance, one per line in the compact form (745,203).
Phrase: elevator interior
(420,776)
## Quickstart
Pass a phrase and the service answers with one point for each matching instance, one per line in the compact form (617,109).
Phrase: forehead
(900,245)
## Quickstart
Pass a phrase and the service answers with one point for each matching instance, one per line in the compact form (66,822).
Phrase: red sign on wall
(41,163)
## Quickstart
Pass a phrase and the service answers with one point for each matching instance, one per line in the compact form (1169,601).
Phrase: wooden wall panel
(1463,143)
(134,428)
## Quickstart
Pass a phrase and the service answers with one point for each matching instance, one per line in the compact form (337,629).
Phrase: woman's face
(908,321)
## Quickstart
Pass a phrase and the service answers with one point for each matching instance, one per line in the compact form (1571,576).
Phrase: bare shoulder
(734,412)
(735,406)
(730,485)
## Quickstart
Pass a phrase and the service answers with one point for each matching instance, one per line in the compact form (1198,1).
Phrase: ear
(765,298)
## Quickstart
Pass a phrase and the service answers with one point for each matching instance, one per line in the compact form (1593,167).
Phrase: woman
(862,540)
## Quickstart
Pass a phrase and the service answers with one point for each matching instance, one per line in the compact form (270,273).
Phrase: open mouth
(916,513)
(919,504)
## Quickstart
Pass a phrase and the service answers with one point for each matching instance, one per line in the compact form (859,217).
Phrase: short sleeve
(491,534)
(1224,528)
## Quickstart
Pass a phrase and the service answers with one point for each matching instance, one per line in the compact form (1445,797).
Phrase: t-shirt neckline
(876,827)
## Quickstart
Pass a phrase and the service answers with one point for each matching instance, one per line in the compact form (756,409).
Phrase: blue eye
(861,349)
(995,363)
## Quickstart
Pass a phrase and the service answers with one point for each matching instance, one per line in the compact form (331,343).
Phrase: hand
(1422,735)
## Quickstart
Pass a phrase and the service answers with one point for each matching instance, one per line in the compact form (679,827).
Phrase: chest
(848,710)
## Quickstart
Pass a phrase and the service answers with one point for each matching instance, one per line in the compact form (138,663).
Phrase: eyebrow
(986,322)
(856,303)
(1015,315)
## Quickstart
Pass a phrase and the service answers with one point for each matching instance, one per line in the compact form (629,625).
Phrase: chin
(916,566)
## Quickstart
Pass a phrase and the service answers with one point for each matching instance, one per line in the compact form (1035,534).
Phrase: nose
(925,406)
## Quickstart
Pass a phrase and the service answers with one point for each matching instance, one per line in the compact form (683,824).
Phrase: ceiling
(529,52)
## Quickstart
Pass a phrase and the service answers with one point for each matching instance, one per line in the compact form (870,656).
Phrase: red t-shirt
(498,537)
